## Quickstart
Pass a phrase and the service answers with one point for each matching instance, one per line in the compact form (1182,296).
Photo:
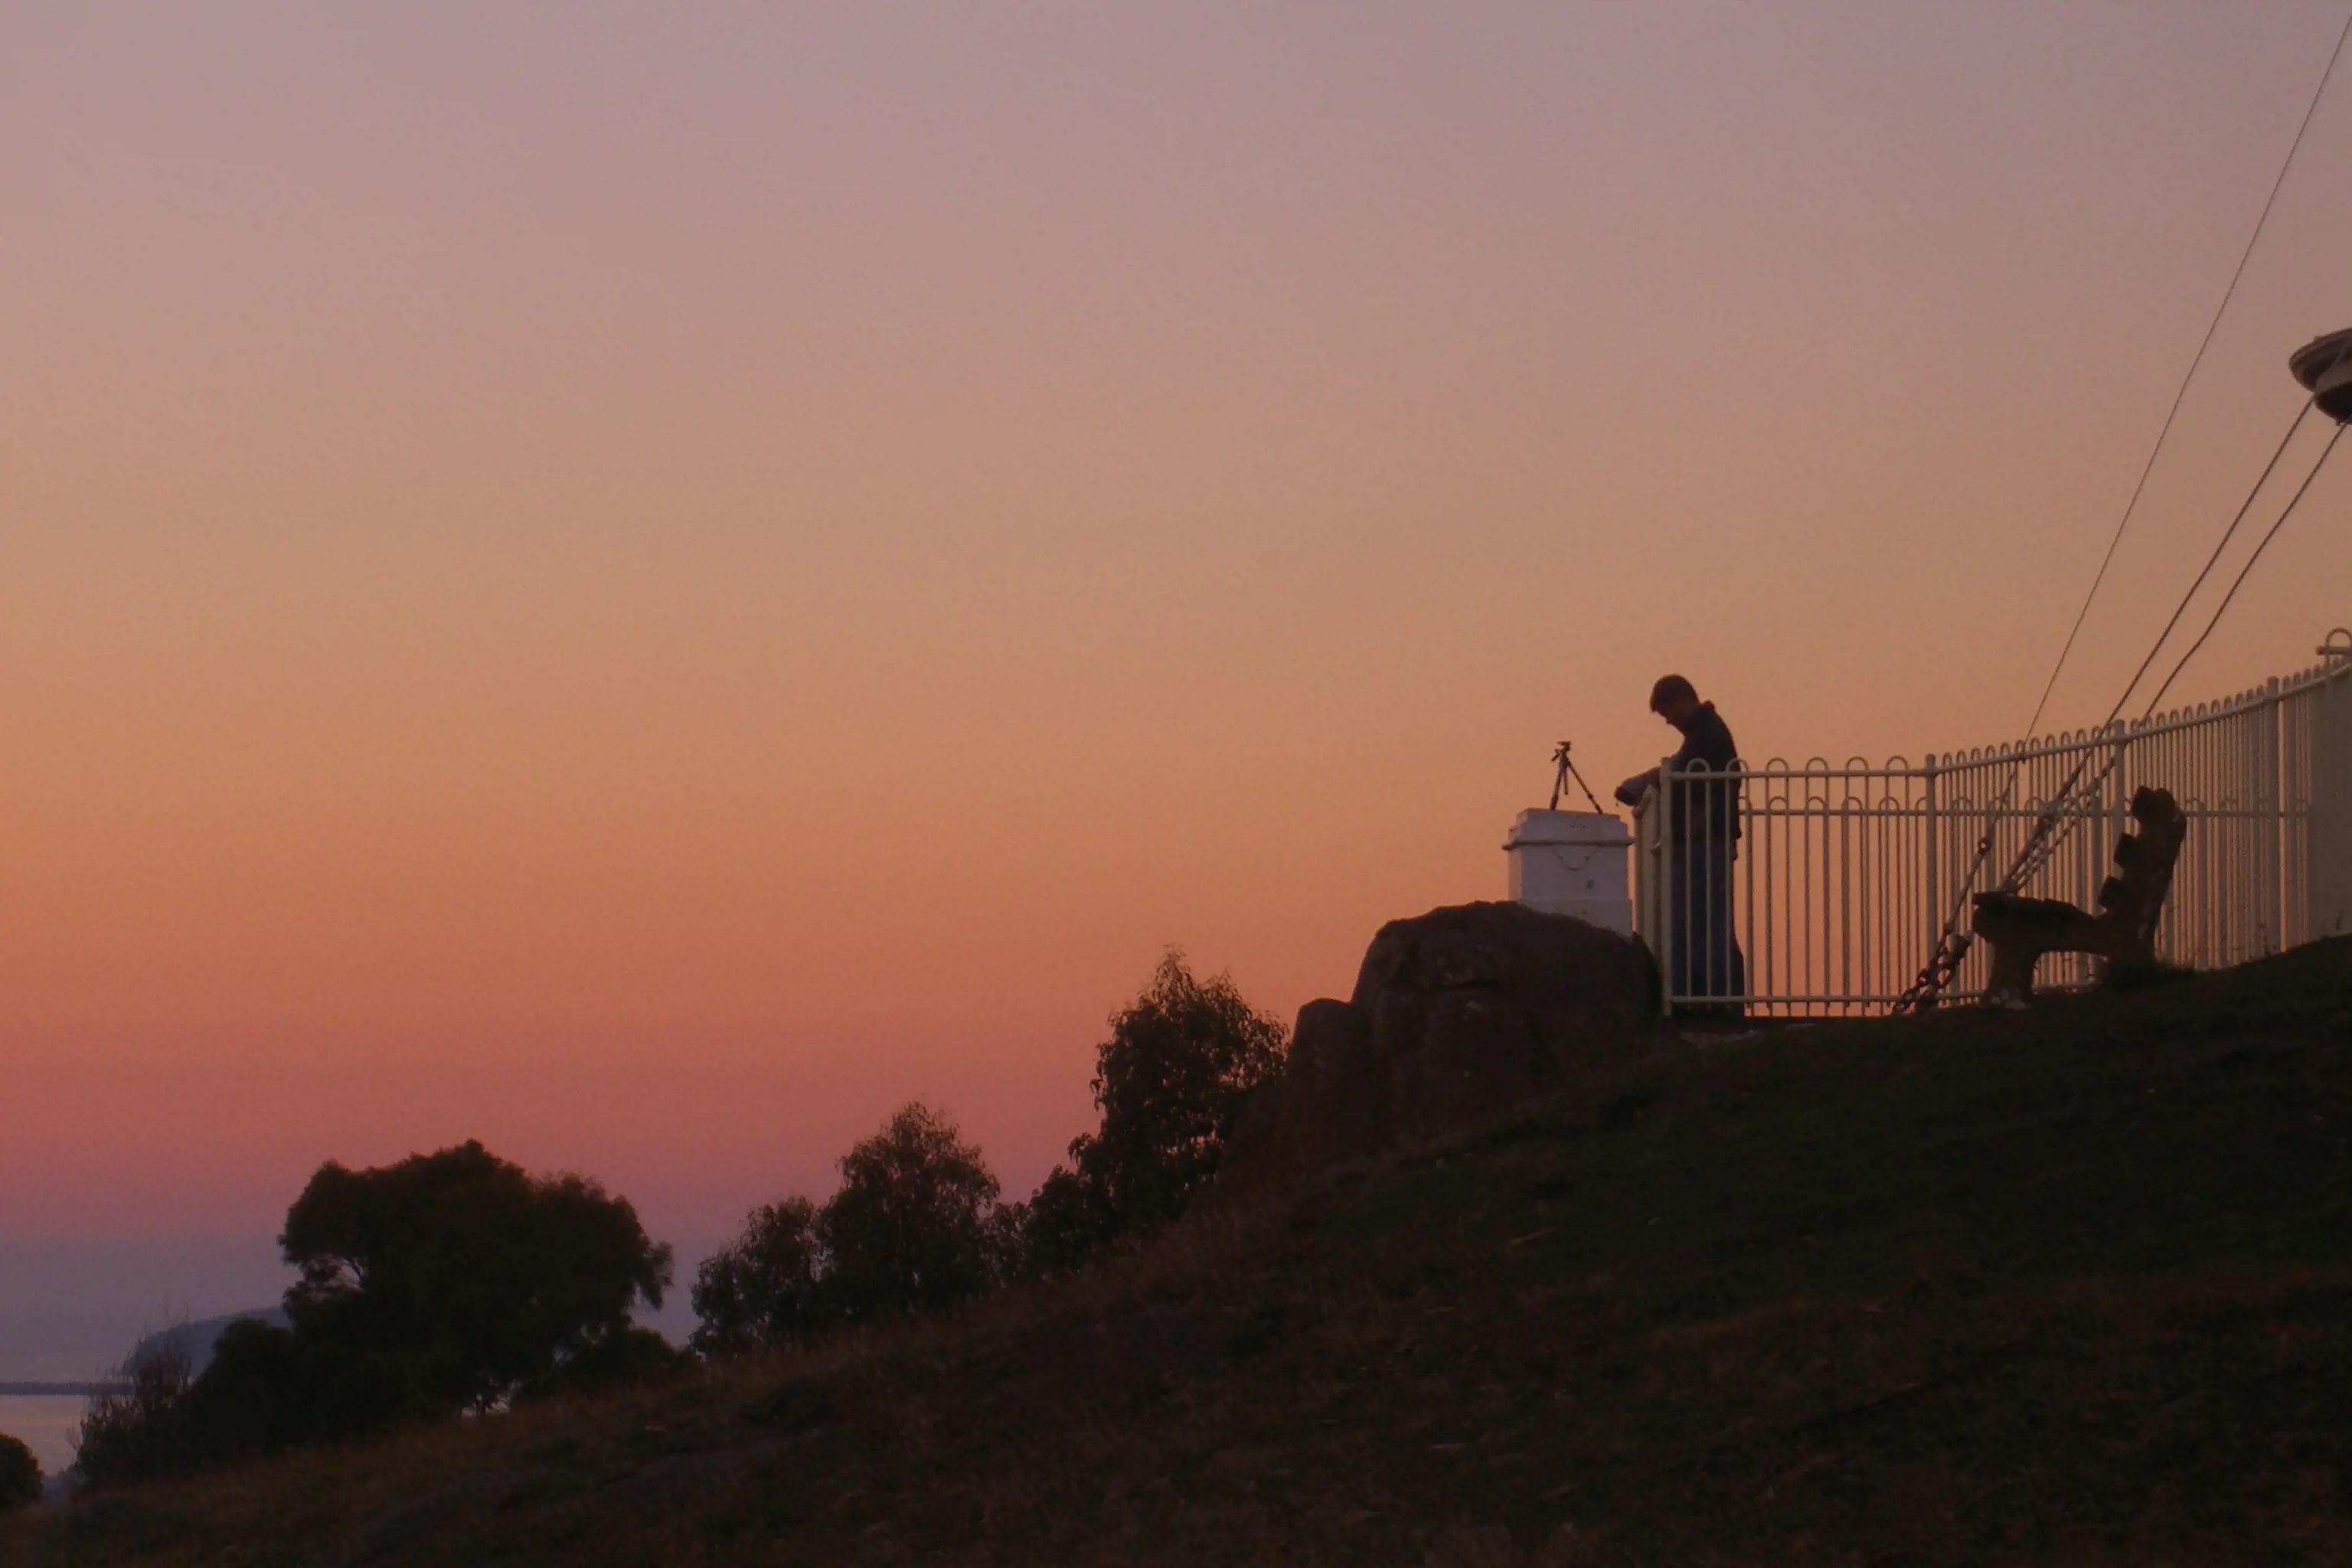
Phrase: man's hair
(1671,688)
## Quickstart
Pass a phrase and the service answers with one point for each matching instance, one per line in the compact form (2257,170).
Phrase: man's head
(1674,699)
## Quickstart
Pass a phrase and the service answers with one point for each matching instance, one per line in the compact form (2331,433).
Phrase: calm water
(71,1308)
(46,1424)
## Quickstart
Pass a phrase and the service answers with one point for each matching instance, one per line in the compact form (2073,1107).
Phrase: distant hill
(2074,1285)
(196,1341)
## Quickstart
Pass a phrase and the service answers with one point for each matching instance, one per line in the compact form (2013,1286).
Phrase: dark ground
(2072,1286)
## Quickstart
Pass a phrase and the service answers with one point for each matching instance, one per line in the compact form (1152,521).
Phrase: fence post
(2119,815)
(2328,830)
(1935,878)
(1668,869)
(2268,862)
(2268,825)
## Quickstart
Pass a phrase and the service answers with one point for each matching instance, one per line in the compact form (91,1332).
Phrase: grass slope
(2071,1286)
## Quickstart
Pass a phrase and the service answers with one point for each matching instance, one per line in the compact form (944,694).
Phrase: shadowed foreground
(2072,1286)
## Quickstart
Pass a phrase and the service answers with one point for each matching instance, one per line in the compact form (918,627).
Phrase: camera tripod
(1565,771)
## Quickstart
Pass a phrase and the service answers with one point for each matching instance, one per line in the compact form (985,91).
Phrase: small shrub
(20,1474)
(454,1281)
(1171,1082)
(914,1226)
(447,1283)
(764,1287)
(1064,1224)
(131,1432)
(631,1355)
(249,1400)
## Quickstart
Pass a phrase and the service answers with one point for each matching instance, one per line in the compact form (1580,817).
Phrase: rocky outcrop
(1460,1017)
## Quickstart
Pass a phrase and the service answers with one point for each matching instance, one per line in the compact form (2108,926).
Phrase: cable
(2245,569)
(2053,827)
(2178,397)
(2227,534)
(1952,944)
(2053,823)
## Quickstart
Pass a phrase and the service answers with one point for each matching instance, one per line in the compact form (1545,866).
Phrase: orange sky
(646,586)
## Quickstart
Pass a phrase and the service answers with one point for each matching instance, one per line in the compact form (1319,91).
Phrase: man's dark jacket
(1707,743)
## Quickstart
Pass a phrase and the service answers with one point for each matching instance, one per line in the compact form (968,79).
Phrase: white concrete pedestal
(1573,863)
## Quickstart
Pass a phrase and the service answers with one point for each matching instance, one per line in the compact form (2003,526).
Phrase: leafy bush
(1182,1061)
(915,1228)
(765,1287)
(20,1474)
(252,1398)
(1065,1223)
(450,1282)
(130,1433)
(614,1361)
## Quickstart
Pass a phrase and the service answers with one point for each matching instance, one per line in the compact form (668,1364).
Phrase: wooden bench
(2130,903)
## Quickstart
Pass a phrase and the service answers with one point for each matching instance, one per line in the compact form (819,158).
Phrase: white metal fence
(1843,876)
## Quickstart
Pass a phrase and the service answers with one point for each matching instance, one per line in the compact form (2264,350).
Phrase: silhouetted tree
(448,1282)
(453,1280)
(131,1432)
(611,1361)
(252,1398)
(914,1226)
(1180,1063)
(765,1287)
(1065,1223)
(20,1474)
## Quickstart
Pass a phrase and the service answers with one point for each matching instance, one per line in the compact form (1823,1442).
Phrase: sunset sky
(646,584)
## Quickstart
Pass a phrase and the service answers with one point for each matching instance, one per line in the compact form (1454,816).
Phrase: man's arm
(1631,792)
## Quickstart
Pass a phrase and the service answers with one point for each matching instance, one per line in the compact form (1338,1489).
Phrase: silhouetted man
(1702,830)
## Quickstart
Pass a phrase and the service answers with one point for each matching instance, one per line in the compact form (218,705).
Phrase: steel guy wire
(2227,534)
(2051,831)
(1952,944)
(2242,572)
(2181,394)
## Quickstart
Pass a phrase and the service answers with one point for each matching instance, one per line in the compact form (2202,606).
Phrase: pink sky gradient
(647,584)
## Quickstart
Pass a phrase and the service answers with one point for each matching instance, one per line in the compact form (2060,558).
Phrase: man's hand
(1631,792)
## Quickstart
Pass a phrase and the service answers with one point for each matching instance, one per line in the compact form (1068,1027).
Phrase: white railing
(1845,876)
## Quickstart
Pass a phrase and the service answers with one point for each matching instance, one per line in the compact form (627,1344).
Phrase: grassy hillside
(2074,1285)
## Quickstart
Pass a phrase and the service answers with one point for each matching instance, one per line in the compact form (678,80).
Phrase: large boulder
(1460,1018)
